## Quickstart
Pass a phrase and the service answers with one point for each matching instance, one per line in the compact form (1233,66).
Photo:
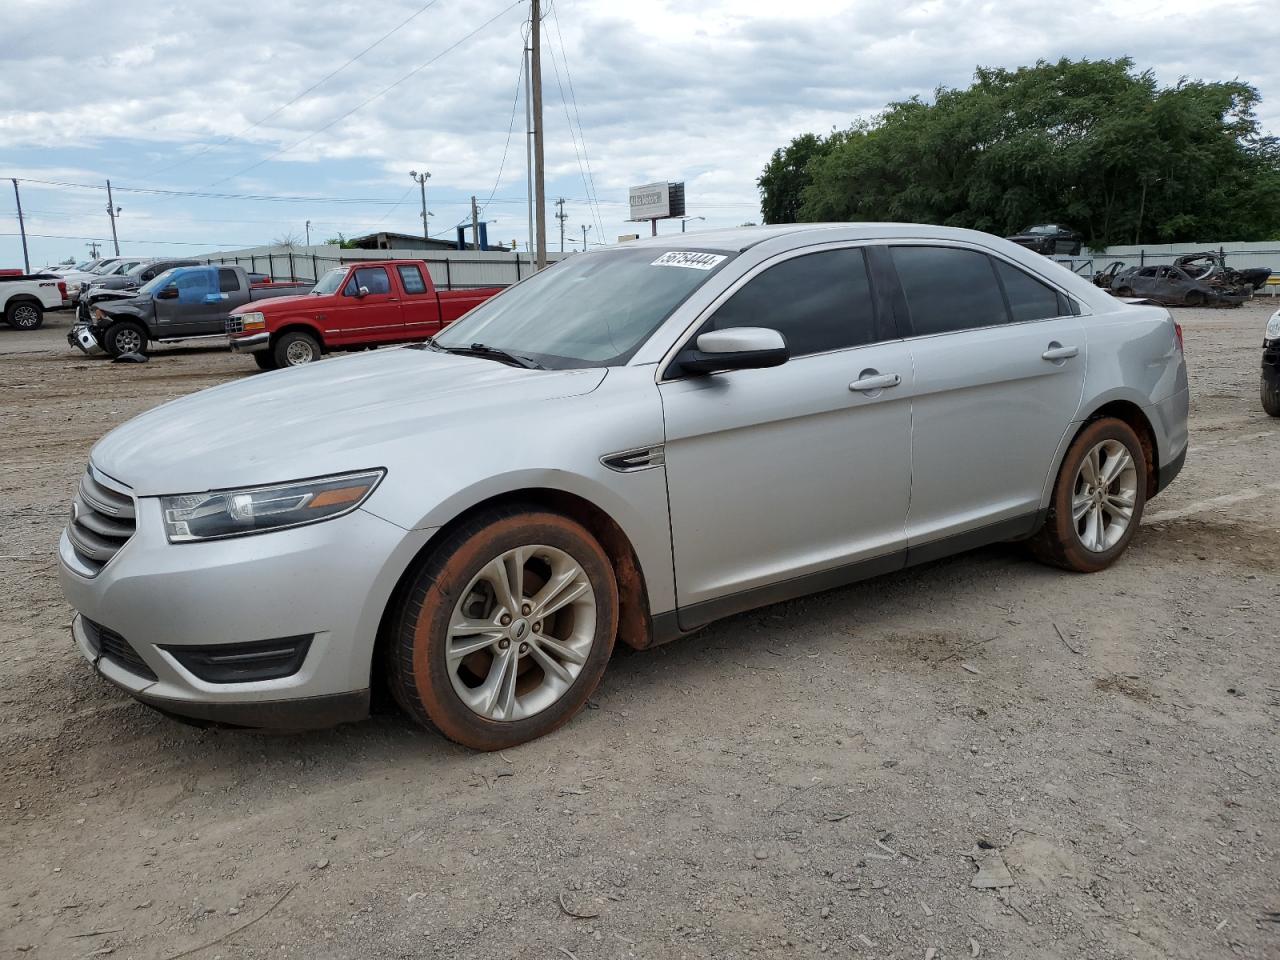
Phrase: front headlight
(1273,327)
(235,513)
(254,320)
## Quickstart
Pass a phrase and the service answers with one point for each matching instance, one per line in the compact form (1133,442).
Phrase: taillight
(62,289)
(1177,332)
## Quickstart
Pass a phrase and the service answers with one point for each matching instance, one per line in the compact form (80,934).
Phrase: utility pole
(93,249)
(539,173)
(528,151)
(422,179)
(113,211)
(308,233)
(22,228)
(585,228)
(475,224)
(562,217)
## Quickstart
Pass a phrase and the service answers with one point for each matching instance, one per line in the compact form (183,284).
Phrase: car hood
(334,416)
(275,304)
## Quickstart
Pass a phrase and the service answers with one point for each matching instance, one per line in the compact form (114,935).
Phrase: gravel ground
(817,777)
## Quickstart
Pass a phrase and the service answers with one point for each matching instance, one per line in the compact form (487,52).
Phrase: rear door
(419,307)
(999,364)
(793,478)
(368,310)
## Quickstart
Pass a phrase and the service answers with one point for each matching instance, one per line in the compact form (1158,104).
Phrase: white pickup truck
(25,298)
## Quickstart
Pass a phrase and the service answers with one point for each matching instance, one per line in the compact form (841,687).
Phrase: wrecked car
(1173,286)
(1212,268)
(1103,278)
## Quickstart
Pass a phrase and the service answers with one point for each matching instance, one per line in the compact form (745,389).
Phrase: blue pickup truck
(180,304)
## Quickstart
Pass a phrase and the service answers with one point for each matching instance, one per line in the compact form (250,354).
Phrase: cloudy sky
(261,99)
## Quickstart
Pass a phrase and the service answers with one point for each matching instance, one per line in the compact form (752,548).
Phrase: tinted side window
(948,288)
(820,301)
(411,277)
(228,282)
(1029,299)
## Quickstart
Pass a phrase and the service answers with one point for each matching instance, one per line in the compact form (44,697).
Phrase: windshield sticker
(694,261)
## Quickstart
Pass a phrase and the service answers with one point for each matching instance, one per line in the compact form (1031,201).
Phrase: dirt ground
(816,777)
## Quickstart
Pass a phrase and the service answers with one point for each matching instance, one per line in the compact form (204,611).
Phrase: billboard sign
(652,201)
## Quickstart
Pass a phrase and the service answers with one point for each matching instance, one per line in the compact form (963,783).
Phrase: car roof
(737,239)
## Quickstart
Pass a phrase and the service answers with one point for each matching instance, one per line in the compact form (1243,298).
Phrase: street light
(684,220)
(422,179)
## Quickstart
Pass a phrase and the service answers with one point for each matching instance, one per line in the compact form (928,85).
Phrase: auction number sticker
(693,261)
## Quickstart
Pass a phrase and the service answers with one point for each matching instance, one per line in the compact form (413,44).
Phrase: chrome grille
(235,325)
(102,521)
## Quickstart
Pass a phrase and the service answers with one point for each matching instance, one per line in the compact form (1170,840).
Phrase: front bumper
(250,344)
(330,581)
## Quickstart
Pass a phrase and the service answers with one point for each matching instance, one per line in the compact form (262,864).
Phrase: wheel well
(634,622)
(299,328)
(22,298)
(1132,414)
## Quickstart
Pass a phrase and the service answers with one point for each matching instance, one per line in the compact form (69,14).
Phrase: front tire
(125,337)
(265,359)
(1097,501)
(24,315)
(1271,397)
(295,349)
(506,629)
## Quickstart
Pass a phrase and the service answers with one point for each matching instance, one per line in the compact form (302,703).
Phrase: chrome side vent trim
(641,458)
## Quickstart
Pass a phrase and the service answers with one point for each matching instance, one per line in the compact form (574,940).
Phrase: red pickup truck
(355,307)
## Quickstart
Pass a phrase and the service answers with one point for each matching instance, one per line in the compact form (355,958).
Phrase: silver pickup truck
(181,304)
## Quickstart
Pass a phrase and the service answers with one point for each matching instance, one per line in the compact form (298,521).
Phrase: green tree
(1094,144)
(786,176)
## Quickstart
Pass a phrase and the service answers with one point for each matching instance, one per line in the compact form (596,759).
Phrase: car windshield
(1043,228)
(155,283)
(104,268)
(86,266)
(592,309)
(329,282)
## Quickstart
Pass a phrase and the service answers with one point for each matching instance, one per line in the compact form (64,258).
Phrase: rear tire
(453,662)
(1123,291)
(24,315)
(265,359)
(295,349)
(1195,298)
(1271,397)
(1097,501)
(125,337)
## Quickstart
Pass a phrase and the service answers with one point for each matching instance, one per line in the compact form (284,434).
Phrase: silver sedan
(624,447)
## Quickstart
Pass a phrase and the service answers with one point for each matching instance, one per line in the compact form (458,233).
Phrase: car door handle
(1058,352)
(870,380)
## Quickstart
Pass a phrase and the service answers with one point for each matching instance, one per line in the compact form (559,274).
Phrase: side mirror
(362,292)
(168,293)
(737,348)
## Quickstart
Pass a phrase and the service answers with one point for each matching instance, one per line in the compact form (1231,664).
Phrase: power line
(572,137)
(511,125)
(329,76)
(167,243)
(364,103)
(564,55)
(205,195)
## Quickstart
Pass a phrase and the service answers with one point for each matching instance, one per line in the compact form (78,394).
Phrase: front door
(368,310)
(999,362)
(797,477)
(199,307)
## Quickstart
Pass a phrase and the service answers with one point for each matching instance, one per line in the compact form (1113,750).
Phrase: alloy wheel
(521,633)
(25,316)
(1104,495)
(128,341)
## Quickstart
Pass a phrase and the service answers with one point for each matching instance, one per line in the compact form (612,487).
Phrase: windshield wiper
(492,353)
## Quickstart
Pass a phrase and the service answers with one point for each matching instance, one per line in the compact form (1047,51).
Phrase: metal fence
(452,273)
